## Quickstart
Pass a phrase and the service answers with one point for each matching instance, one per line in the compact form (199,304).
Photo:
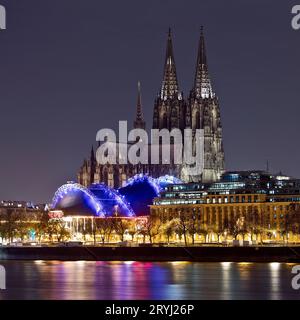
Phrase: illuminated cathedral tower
(205,114)
(201,111)
(169,107)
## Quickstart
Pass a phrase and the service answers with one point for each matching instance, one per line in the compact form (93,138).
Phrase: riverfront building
(252,205)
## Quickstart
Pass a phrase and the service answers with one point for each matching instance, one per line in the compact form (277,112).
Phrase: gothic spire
(202,85)
(139,122)
(170,84)
(93,158)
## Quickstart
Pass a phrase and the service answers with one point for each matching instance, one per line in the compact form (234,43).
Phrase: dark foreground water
(144,280)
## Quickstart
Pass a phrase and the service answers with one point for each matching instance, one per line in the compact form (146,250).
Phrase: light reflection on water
(146,280)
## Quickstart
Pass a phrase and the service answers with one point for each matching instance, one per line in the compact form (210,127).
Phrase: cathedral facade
(171,111)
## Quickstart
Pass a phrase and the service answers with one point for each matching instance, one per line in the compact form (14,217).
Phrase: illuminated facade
(250,205)
(200,111)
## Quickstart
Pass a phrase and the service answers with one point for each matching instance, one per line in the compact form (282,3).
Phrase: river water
(145,280)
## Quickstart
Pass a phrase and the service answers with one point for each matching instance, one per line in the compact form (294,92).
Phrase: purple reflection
(139,280)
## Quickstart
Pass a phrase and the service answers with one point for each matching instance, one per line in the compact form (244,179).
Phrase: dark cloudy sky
(69,68)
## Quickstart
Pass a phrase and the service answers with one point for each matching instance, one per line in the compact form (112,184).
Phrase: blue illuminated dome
(99,200)
(142,189)
(112,202)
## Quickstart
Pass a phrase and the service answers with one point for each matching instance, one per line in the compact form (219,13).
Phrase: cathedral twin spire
(202,84)
(170,88)
(202,87)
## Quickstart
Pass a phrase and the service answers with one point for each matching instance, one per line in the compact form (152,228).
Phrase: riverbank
(201,254)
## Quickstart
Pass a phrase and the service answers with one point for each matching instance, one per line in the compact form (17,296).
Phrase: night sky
(69,68)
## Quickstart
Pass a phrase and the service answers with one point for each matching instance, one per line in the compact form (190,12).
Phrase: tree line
(183,227)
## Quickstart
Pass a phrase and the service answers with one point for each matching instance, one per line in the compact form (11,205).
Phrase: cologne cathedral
(199,111)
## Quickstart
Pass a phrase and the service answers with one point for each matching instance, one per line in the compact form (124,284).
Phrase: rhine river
(144,280)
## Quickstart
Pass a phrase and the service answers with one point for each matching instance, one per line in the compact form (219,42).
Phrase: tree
(168,229)
(218,230)
(234,229)
(143,232)
(132,230)
(2,225)
(152,227)
(62,232)
(292,221)
(120,225)
(203,231)
(242,227)
(192,226)
(57,227)
(41,226)
(24,223)
(9,219)
(103,227)
(253,223)
(183,225)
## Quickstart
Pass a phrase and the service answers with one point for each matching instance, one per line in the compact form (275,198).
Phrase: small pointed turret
(170,87)
(139,122)
(202,85)
(92,165)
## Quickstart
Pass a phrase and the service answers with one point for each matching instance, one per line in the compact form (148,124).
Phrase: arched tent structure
(98,200)
(73,198)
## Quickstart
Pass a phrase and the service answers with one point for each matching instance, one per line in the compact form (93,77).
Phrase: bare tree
(183,225)
(169,229)
(132,230)
(152,227)
(58,227)
(120,225)
(203,231)
(192,226)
